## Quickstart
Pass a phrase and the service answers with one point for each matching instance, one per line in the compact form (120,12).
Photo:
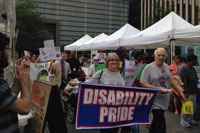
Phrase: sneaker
(185,124)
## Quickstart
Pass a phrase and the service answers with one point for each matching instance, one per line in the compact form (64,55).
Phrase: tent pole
(90,56)
(172,50)
(76,53)
(144,50)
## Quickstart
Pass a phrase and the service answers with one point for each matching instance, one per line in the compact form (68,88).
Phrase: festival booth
(191,35)
(171,31)
(159,34)
(74,46)
(113,41)
(90,45)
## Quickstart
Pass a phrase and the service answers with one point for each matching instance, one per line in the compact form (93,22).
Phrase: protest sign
(101,106)
(47,54)
(39,71)
(40,97)
(49,43)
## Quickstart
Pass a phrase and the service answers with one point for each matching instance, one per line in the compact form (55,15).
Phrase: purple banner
(101,106)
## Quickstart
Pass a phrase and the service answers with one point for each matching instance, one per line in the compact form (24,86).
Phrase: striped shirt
(8,118)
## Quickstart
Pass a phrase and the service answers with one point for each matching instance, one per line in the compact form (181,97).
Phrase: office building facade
(153,10)
(71,19)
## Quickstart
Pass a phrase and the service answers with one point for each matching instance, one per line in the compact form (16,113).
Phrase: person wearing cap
(10,105)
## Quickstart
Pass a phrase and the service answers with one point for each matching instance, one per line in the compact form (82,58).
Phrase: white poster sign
(47,54)
(39,71)
(49,43)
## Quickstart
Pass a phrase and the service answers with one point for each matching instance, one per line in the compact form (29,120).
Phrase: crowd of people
(177,83)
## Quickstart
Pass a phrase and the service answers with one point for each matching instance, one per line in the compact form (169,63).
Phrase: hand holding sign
(164,90)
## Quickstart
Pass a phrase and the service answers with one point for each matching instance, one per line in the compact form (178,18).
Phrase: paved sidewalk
(173,126)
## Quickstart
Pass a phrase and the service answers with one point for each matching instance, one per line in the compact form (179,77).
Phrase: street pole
(172,50)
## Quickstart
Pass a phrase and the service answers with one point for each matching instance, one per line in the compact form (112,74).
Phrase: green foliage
(25,8)
(28,19)
(31,30)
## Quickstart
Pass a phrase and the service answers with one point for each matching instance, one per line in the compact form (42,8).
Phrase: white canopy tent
(74,46)
(89,45)
(191,35)
(113,40)
(159,33)
(124,31)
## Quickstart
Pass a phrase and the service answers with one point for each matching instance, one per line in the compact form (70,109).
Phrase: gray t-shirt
(108,78)
(158,76)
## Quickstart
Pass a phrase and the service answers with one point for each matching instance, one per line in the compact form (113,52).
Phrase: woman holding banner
(109,76)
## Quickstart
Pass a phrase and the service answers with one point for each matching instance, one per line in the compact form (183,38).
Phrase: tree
(31,30)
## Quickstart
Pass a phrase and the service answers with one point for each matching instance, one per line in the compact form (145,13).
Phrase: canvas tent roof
(124,31)
(74,46)
(169,24)
(162,31)
(113,40)
(89,44)
(191,35)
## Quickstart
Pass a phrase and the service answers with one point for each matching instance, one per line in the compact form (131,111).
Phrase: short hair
(112,56)
(4,41)
(160,49)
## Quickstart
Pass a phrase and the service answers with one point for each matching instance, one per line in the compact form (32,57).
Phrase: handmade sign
(39,71)
(47,54)
(40,97)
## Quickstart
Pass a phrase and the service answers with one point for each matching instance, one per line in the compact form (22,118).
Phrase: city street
(173,126)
